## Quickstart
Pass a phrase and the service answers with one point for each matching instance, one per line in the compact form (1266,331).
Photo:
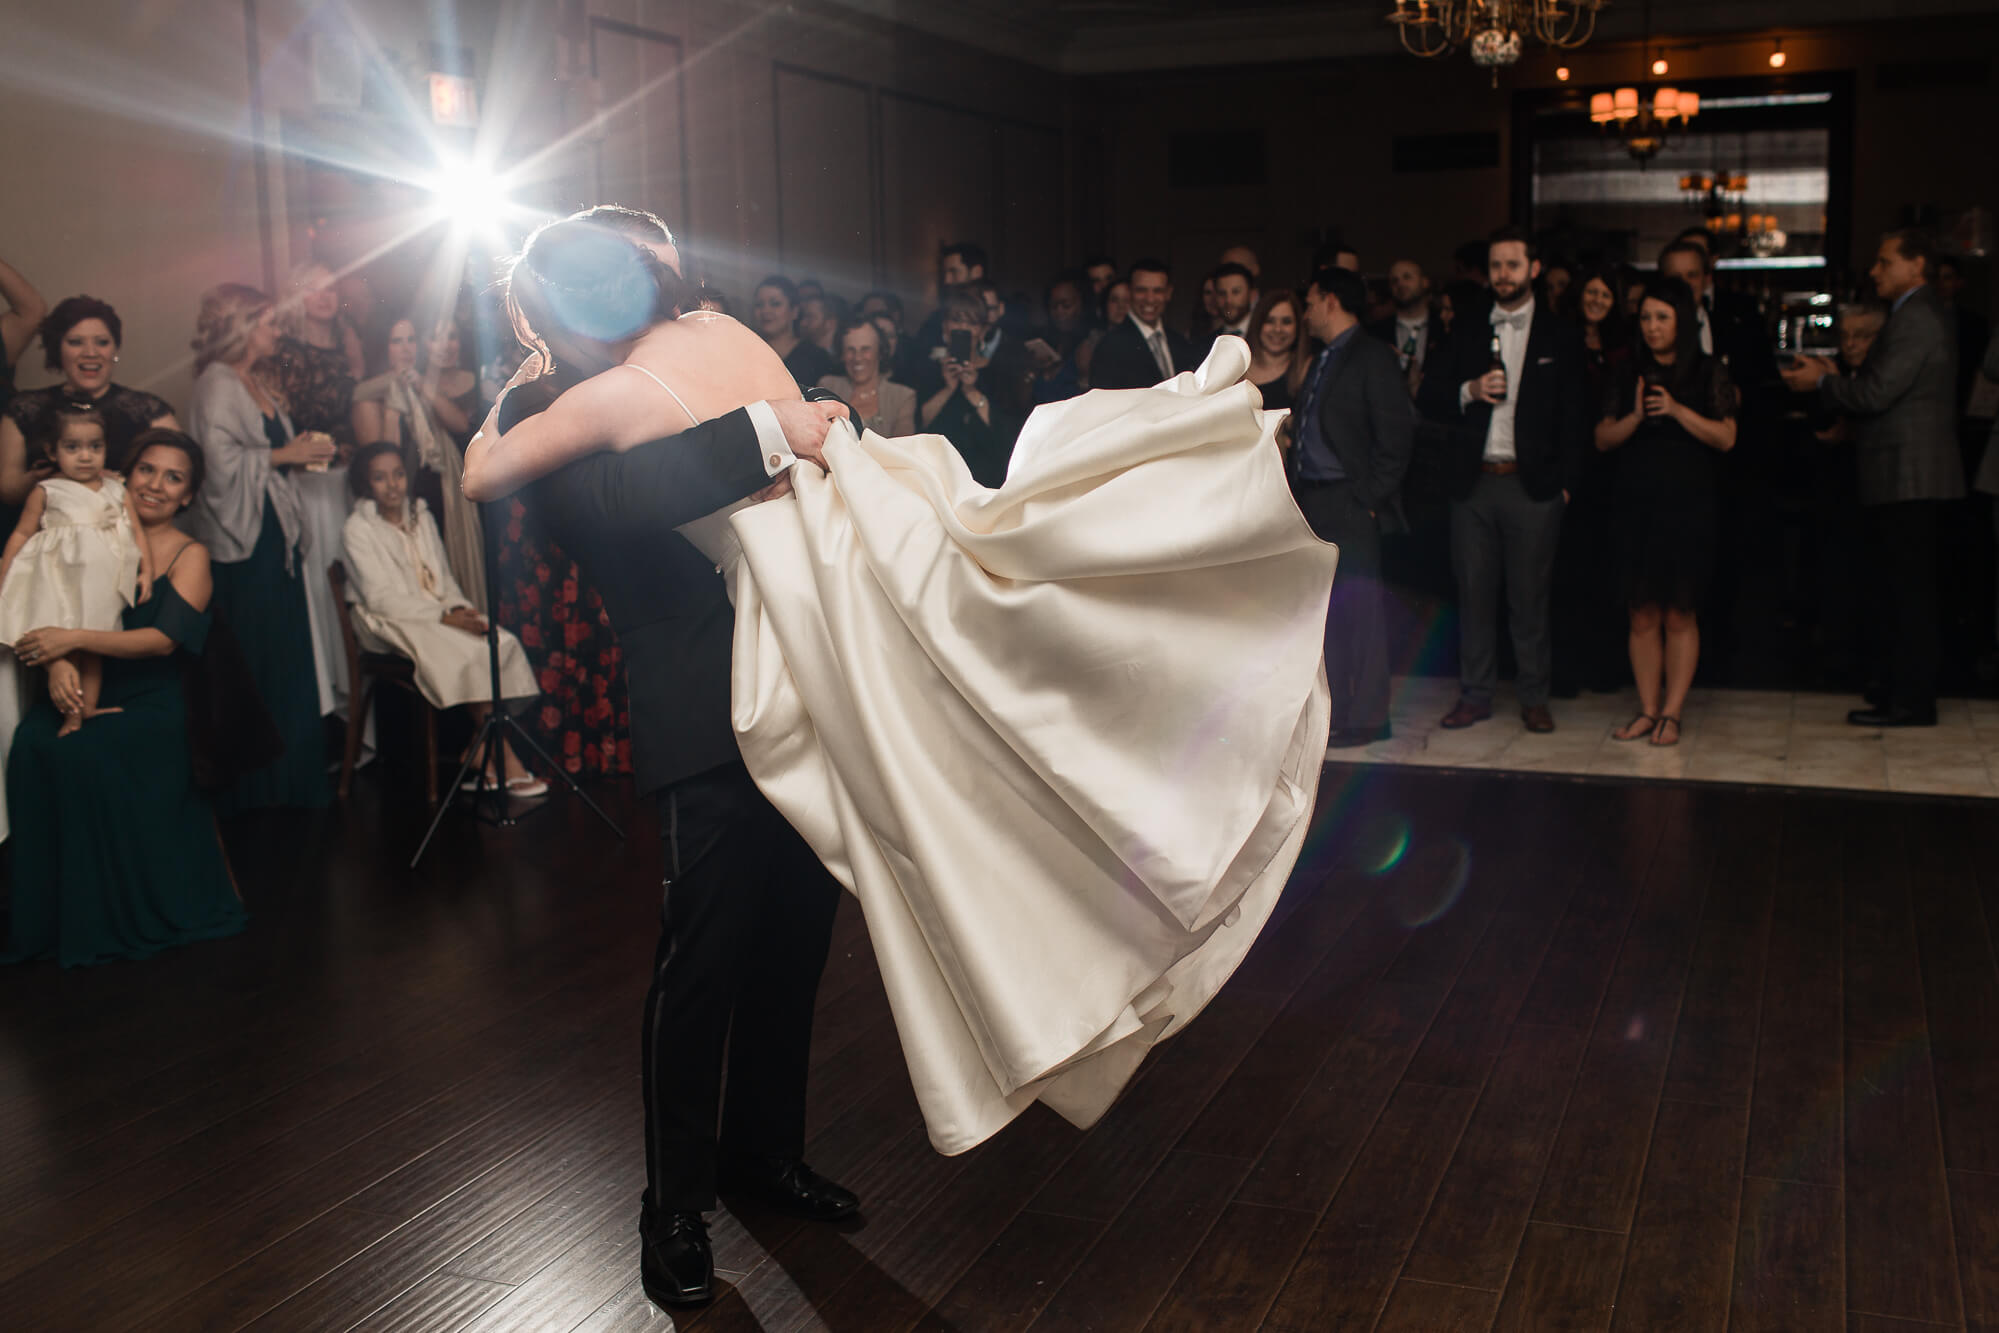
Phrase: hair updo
(222,325)
(581,277)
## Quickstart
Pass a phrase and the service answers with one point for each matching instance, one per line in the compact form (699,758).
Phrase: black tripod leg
(494,760)
(513,724)
(444,805)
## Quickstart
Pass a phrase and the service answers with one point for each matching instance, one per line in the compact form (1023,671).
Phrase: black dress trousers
(745,923)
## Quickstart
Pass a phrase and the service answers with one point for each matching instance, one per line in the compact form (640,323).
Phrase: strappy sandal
(1635,735)
(1660,726)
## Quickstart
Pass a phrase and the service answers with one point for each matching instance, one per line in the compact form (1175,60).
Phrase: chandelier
(1713,193)
(1494,30)
(1644,121)
(1719,197)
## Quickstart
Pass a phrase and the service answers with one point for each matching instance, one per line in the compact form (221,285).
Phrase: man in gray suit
(1903,409)
(1352,433)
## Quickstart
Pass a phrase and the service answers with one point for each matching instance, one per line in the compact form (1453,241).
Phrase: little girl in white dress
(75,557)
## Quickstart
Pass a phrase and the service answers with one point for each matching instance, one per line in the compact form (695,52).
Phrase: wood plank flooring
(1520,1053)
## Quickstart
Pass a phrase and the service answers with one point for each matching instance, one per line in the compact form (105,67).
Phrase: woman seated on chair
(405,601)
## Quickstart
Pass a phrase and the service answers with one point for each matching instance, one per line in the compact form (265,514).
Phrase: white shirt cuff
(1464,396)
(777,455)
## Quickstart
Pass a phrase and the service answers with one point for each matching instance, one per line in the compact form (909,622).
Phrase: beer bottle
(1498,364)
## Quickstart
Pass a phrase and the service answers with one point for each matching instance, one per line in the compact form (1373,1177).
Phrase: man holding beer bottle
(1515,398)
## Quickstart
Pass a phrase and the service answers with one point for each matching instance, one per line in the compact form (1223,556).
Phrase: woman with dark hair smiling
(80,338)
(1277,349)
(115,849)
(1673,412)
(774,311)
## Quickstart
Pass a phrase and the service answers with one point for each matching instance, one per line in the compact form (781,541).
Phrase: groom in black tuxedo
(747,911)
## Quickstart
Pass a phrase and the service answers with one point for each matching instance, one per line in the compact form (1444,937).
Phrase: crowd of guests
(170,574)
(1559,429)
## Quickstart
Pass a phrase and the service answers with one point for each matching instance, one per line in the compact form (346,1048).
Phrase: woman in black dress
(1672,412)
(1278,353)
(80,338)
(1588,597)
(775,313)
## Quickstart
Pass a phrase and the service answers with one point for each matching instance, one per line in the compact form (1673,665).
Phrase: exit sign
(454,100)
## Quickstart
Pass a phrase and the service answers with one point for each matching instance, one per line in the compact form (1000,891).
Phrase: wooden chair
(364,671)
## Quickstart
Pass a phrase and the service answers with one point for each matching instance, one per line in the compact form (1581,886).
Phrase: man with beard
(1408,332)
(1516,399)
(1235,300)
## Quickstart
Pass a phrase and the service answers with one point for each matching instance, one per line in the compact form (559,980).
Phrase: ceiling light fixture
(1494,30)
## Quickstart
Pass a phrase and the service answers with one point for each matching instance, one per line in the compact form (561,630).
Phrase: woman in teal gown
(115,850)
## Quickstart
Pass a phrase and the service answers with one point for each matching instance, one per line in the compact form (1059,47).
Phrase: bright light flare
(470,198)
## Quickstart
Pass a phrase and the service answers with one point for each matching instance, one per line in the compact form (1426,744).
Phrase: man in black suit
(1518,431)
(1409,329)
(1142,351)
(747,910)
(1351,440)
(1235,301)
(1731,328)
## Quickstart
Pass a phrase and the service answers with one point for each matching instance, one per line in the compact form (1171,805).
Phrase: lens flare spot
(1381,847)
(1430,881)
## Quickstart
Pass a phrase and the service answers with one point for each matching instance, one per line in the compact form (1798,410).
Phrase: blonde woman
(249,515)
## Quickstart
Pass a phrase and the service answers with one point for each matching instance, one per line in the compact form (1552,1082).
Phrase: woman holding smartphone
(956,406)
(1671,414)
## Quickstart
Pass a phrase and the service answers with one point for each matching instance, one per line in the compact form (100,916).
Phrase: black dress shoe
(1348,738)
(1893,717)
(789,1184)
(676,1267)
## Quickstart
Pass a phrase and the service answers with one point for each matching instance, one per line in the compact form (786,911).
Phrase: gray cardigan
(228,512)
(1903,405)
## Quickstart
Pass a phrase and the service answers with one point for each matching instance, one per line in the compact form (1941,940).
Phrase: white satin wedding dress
(1061,739)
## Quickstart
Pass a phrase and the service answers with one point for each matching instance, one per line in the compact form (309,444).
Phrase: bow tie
(1517,319)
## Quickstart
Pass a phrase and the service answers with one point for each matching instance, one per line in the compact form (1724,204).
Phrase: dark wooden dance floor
(1523,1054)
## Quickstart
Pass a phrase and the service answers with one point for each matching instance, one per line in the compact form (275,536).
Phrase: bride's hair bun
(580,277)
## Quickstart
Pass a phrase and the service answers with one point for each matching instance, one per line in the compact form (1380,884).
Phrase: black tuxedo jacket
(1742,342)
(1364,412)
(1554,416)
(614,515)
(1123,361)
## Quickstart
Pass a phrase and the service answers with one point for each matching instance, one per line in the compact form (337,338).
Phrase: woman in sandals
(1670,414)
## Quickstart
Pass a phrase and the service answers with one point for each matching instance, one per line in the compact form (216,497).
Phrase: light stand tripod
(488,747)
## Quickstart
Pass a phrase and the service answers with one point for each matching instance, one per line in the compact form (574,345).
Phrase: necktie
(1158,341)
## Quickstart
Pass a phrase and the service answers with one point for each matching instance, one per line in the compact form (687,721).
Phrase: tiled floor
(1799,740)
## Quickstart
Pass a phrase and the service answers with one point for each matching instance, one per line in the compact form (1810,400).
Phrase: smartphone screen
(958,345)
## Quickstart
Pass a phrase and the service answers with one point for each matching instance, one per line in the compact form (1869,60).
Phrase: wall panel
(1031,243)
(940,183)
(826,184)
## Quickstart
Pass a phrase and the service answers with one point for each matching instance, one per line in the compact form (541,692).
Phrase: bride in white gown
(1060,739)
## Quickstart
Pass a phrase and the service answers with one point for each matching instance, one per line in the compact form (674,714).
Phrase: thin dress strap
(668,387)
(176,560)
